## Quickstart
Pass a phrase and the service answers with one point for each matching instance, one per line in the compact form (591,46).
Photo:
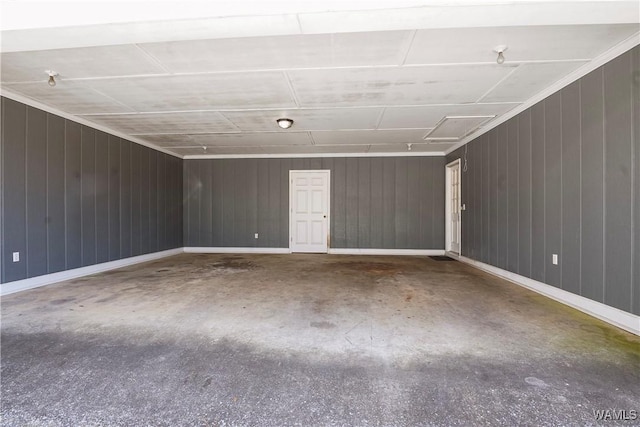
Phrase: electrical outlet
(554,259)
(16,257)
(256,235)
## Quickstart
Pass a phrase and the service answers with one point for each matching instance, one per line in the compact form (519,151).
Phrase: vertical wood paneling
(402,199)
(570,256)
(486,200)
(102,197)
(36,192)
(577,170)
(252,202)
(437,185)
(136,175)
(493,197)
(88,189)
(524,193)
(153,200)
(617,77)
(636,182)
(162,203)
(339,204)
(254,193)
(73,194)
(414,196)
(144,200)
(351,185)
(14,116)
(114,198)
(388,196)
(56,223)
(553,185)
(204,232)
(364,203)
(503,196)
(513,236)
(592,182)
(82,196)
(537,192)
(125,199)
(376,212)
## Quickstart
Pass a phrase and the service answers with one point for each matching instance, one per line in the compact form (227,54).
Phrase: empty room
(349,213)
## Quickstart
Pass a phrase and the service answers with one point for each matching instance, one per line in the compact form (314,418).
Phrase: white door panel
(309,211)
(453,226)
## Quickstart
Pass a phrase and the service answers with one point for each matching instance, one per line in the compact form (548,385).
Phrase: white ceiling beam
(81,30)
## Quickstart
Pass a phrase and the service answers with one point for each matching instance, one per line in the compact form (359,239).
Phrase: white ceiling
(355,81)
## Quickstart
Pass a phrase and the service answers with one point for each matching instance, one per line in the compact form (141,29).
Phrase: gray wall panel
(88,190)
(56,223)
(125,199)
(512,197)
(437,187)
(14,116)
(493,197)
(578,187)
(351,184)
(537,192)
(36,156)
(114,198)
(102,197)
(570,256)
(402,199)
(364,201)
(592,194)
(376,212)
(136,175)
(389,201)
(73,201)
(163,203)
(486,200)
(553,186)
(65,194)
(636,182)
(618,174)
(205,212)
(153,201)
(524,193)
(145,217)
(503,196)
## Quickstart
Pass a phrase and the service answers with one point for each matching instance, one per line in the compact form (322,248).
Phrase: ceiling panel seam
(502,80)
(292,90)
(153,59)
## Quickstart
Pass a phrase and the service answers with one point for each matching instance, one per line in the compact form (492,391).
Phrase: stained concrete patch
(306,340)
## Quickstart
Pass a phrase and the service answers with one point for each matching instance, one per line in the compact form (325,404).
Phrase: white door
(309,211)
(453,211)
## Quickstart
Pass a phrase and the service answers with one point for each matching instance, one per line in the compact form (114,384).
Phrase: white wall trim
(313,155)
(234,250)
(363,251)
(33,103)
(595,63)
(627,321)
(48,279)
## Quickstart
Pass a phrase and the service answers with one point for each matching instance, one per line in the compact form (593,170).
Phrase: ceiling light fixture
(500,51)
(52,77)
(409,146)
(285,123)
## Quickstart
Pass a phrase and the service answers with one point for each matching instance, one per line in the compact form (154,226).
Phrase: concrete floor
(274,340)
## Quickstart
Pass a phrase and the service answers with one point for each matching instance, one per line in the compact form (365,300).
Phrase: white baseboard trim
(48,279)
(356,251)
(627,321)
(232,250)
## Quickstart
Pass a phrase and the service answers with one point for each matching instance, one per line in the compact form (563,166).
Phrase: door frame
(291,173)
(447,206)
